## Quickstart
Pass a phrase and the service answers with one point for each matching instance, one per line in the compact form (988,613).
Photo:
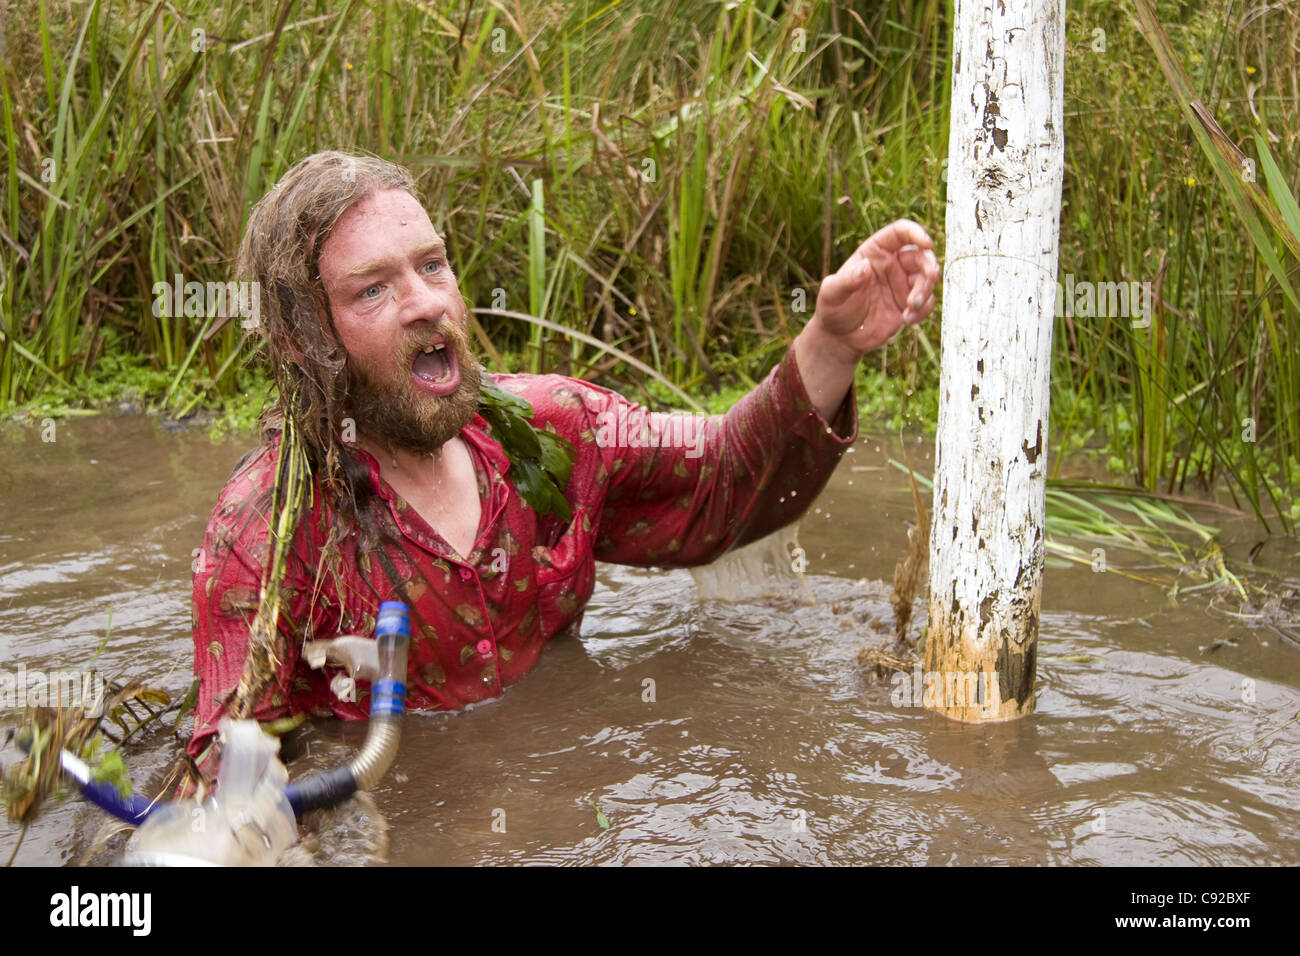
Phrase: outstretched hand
(887,283)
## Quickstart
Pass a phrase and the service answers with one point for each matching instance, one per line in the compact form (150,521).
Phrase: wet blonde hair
(281,251)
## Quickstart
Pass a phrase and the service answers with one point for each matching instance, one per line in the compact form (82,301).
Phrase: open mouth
(435,369)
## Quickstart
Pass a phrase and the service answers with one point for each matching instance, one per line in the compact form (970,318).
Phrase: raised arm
(728,480)
(703,485)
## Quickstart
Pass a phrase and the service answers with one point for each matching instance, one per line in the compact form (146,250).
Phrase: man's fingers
(914,316)
(919,264)
(902,243)
(872,265)
(916,259)
(903,232)
(912,258)
(888,266)
(899,233)
(895,237)
(923,271)
(838,286)
(899,258)
(921,287)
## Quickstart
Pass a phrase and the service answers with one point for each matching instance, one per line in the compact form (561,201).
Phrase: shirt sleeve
(685,489)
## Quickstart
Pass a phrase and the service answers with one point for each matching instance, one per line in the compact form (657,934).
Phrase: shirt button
(484,647)
(466,574)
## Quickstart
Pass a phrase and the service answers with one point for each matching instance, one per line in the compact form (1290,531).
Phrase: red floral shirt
(679,493)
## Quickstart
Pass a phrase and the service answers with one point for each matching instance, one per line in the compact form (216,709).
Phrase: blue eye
(366,293)
(436,263)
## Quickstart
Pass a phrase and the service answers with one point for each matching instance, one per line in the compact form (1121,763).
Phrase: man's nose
(421,301)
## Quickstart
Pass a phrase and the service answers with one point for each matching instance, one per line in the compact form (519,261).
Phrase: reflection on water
(701,731)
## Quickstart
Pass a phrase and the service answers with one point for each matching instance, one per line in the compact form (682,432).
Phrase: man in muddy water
(417,500)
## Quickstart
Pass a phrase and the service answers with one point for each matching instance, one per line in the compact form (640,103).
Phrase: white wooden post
(1006,161)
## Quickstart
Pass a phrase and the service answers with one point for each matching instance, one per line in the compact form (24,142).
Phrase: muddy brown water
(702,731)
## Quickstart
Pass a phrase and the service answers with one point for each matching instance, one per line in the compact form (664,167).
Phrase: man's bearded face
(412,379)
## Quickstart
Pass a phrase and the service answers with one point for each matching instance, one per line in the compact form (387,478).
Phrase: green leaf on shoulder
(541,461)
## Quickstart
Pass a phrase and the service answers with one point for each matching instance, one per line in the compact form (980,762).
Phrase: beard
(389,410)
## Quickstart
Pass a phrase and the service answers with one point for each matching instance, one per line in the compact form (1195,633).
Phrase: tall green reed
(671,180)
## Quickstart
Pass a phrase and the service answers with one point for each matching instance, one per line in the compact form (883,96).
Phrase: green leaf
(154,695)
(1281,192)
(188,704)
(498,399)
(541,462)
(280,727)
(557,455)
(529,481)
(112,769)
(523,438)
(108,629)
(557,503)
(1248,199)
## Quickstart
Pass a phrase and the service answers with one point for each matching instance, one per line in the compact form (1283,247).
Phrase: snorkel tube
(387,704)
(252,816)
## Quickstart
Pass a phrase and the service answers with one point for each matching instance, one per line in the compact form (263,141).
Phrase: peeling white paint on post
(1006,161)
